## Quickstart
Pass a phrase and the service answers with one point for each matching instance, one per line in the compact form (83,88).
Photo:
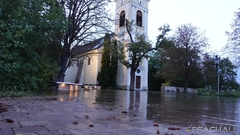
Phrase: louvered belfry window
(122,19)
(139,18)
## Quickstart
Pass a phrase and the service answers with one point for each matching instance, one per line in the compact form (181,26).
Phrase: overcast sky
(213,16)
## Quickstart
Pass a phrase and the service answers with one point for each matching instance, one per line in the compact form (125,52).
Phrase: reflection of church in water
(133,101)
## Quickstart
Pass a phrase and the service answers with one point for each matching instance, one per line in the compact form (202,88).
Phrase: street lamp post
(216,61)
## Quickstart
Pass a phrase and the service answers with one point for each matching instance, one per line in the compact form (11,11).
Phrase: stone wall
(177,89)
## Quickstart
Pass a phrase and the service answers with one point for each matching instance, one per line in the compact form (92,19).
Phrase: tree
(86,20)
(209,70)
(228,74)
(183,59)
(103,76)
(107,75)
(138,49)
(154,76)
(27,28)
(173,67)
(113,65)
(233,44)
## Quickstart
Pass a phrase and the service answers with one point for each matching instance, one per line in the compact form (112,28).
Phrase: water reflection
(165,108)
(191,110)
(76,94)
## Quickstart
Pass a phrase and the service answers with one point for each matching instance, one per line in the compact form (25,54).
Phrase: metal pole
(218,82)
(217,61)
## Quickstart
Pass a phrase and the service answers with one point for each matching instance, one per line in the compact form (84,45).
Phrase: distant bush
(229,94)
(206,92)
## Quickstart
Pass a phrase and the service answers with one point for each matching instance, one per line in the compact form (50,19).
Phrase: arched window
(139,18)
(122,19)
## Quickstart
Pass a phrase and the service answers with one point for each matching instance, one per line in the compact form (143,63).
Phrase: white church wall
(118,3)
(81,81)
(90,76)
(145,75)
(70,74)
(145,22)
(122,76)
(99,57)
(89,72)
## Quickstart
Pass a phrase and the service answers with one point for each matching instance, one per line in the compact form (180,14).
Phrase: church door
(138,82)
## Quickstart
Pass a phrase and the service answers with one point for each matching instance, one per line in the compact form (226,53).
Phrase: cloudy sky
(212,16)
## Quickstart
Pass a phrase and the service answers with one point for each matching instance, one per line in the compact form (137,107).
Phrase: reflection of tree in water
(134,100)
(190,109)
(154,104)
(137,105)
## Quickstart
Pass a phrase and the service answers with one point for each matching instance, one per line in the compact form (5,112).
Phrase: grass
(206,92)
(29,93)
(13,93)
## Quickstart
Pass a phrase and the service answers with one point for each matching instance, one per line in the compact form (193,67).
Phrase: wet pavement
(105,112)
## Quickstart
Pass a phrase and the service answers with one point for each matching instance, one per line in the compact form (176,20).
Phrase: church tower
(136,11)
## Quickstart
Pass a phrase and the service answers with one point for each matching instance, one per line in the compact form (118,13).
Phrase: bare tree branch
(86,21)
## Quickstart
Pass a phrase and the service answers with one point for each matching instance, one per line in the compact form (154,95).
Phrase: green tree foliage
(227,75)
(174,67)
(113,65)
(154,76)
(209,71)
(107,75)
(103,76)
(26,29)
(183,59)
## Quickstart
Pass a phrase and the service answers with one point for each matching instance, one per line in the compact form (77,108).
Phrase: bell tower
(132,10)
(136,11)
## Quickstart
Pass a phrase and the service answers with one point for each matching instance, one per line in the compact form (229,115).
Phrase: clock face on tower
(138,70)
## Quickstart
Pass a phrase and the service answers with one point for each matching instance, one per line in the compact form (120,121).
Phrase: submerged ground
(90,112)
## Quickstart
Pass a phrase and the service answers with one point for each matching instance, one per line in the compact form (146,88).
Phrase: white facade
(88,75)
(131,7)
(90,68)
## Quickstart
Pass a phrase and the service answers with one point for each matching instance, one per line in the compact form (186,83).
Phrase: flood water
(164,107)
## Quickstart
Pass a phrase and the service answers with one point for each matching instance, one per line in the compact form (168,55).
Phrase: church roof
(78,50)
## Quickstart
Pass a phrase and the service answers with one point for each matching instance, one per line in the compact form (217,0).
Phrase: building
(85,70)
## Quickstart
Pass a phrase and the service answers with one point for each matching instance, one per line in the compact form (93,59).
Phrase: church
(86,69)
